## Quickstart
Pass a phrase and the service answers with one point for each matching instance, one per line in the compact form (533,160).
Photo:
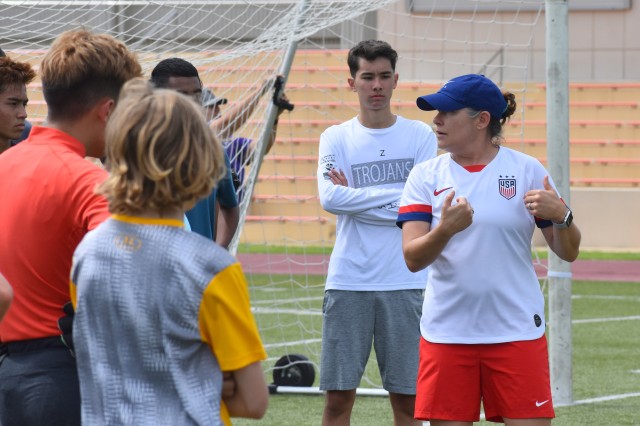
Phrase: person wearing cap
(371,298)
(238,149)
(211,104)
(180,75)
(469,215)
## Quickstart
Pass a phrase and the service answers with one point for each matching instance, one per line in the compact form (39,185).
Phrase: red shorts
(511,379)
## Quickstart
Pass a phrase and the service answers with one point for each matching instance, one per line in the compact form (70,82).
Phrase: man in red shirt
(47,204)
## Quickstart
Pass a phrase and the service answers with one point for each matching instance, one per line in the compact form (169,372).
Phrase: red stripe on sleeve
(415,208)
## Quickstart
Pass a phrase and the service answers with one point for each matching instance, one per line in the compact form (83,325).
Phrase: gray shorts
(354,320)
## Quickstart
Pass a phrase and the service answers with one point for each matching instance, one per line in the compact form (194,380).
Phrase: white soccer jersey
(483,287)
(367,255)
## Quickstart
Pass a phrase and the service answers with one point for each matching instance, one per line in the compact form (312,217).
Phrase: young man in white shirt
(370,294)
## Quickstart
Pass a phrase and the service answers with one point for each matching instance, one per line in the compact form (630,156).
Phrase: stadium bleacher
(604,139)
(604,134)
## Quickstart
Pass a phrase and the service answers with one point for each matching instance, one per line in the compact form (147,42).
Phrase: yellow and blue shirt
(160,314)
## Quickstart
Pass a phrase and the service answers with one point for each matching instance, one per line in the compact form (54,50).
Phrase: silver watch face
(568,218)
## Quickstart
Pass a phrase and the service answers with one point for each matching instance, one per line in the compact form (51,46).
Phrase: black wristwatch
(566,222)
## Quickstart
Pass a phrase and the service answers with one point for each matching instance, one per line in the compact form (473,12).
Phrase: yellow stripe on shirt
(226,322)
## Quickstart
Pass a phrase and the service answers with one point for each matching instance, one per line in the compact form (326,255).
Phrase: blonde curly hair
(160,152)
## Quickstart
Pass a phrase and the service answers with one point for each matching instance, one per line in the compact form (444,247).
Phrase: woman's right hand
(458,217)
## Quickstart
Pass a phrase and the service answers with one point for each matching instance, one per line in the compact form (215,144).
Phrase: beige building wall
(604,45)
(607,217)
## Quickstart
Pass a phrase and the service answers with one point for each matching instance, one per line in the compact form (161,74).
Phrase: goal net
(285,238)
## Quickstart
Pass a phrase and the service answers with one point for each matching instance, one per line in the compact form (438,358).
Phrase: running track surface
(587,270)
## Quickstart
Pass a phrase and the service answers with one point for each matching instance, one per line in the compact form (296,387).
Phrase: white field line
(319,312)
(601,399)
(383,393)
(319,298)
(595,320)
(581,402)
(584,321)
(287,301)
(292,343)
(585,401)
(256,310)
(605,297)
(316,312)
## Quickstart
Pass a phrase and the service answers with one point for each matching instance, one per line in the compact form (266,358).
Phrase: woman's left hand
(545,203)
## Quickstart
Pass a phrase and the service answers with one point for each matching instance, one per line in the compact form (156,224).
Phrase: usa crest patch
(507,187)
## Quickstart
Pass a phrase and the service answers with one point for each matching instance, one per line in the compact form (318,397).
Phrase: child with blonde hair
(162,313)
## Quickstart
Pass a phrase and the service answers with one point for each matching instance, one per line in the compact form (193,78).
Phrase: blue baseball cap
(467,91)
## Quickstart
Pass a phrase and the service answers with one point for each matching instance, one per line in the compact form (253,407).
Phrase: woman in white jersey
(470,214)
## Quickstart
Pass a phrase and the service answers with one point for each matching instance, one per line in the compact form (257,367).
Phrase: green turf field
(606,345)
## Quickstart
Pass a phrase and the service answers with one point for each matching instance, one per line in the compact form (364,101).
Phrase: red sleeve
(92,208)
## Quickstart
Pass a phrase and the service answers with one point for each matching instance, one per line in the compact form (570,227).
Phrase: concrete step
(304,185)
(581,167)
(287,230)
(289,205)
(603,168)
(586,148)
(290,146)
(606,148)
(537,111)
(339,111)
(533,129)
(602,91)
(289,165)
(309,74)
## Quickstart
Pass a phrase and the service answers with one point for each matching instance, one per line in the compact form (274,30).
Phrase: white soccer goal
(435,42)
(286,238)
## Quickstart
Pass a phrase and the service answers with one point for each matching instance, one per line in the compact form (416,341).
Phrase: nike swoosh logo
(540,404)
(436,192)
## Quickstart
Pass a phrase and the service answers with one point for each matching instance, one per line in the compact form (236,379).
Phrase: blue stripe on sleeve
(413,216)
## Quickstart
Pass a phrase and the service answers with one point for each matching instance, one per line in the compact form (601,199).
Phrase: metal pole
(303,6)
(560,335)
